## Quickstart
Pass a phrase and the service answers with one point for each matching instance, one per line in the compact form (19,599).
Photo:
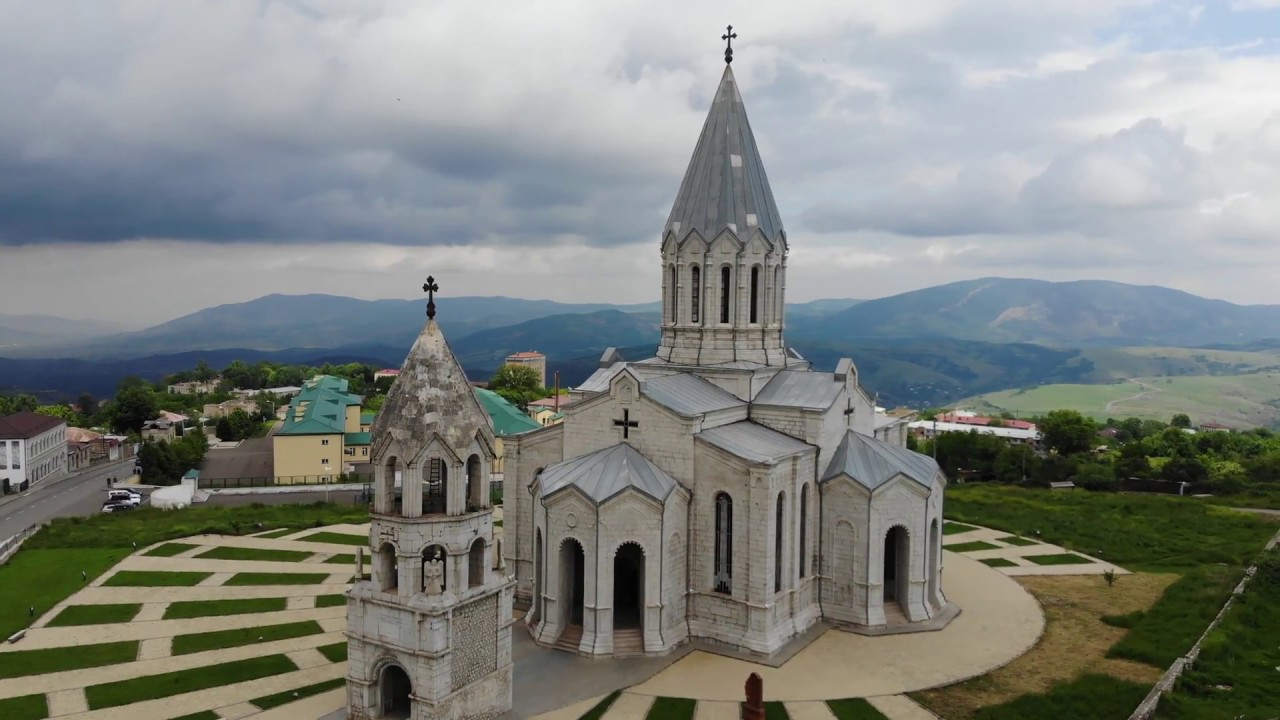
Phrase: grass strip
(854,709)
(601,707)
(260,578)
(998,562)
(50,660)
(330,600)
(169,549)
(1169,628)
(341,559)
(202,715)
(669,708)
(1058,559)
(26,707)
(955,528)
(775,710)
(336,538)
(267,702)
(971,546)
(94,615)
(152,687)
(226,552)
(36,580)
(336,652)
(211,608)
(1088,696)
(221,639)
(276,533)
(150,578)
(1017,541)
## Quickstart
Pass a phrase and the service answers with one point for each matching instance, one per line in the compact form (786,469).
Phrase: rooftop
(753,442)
(873,463)
(800,389)
(27,424)
(507,418)
(688,394)
(604,473)
(528,355)
(320,408)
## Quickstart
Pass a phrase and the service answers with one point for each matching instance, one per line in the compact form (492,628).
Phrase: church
(723,491)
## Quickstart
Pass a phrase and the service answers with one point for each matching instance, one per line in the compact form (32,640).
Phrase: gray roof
(725,184)
(688,394)
(873,463)
(800,389)
(605,473)
(753,442)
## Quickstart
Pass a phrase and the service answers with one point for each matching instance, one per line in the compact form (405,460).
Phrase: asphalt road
(81,494)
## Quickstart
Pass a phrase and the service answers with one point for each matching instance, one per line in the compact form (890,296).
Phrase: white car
(126,497)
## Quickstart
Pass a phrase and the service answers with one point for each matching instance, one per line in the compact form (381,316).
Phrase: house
(323,434)
(507,421)
(386,373)
(283,392)
(223,409)
(195,387)
(932,428)
(1214,427)
(33,448)
(965,417)
(547,410)
(167,426)
(535,360)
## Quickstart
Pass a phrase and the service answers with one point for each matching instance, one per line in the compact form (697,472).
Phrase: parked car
(112,507)
(127,497)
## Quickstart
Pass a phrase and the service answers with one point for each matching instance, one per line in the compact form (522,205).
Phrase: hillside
(1065,314)
(23,330)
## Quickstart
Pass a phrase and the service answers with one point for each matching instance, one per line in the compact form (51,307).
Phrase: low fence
(11,545)
(212,483)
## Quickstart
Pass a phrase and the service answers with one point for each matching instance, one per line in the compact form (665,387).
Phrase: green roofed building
(507,420)
(323,433)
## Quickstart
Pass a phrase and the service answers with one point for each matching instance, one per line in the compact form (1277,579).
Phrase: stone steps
(569,639)
(628,643)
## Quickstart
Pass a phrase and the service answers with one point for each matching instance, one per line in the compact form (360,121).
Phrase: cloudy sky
(157,156)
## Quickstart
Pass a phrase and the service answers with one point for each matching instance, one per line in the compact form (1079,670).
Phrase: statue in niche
(433,575)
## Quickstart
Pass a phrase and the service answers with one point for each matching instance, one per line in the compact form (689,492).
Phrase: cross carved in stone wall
(626,423)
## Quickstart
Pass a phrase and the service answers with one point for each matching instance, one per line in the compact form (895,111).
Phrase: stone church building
(723,491)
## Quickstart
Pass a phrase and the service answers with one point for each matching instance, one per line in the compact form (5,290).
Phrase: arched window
(724,544)
(675,297)
(695,294)
(435,488)
(777,295)
(724,293)
(804,526)
(779,521)
(755,294)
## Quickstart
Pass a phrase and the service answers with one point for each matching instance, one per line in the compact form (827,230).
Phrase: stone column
(411,482)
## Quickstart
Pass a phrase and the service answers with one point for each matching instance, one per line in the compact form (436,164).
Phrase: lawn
(1058,559)
(169,549)
(854,709)
(998,562)
(258,578)
(150,578)
(27,707)
(669,708)
(1017,541)
(774,710)
(276,533)
(40,579)
(219,639)
(94,615)
(336,652)
(1089,697)
(151,687)
(49,660)
(341,559)
(267,702)
(226,552)
(1137,532)
(210,608)
(1169,628)
(330,600)
(336,538)
(955,528)
(202,715)
(971,546)
(601,707)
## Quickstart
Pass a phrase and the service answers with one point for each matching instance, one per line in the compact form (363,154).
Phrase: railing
(210,483)
(10,546)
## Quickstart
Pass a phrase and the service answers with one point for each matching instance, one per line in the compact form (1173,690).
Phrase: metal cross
(728,37)
(626,423)
(430,287)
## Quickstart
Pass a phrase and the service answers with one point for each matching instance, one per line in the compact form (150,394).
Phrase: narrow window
(755,294)
(777,542)
(724,544)
(675,298)
(777,296)
(804,526)
(724,294)
(695,294)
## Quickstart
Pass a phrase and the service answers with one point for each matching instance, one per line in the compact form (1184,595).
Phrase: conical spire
(725,185)
(431,396)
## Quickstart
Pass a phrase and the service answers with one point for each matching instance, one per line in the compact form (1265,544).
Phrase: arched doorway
(572,581)
(395,689)
(933,570)
(475,564)
(628,588)
(896,561)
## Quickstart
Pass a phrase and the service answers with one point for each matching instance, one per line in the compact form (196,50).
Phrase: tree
(134,405)
(238,425)
(17,403)
(63,412)
(518,384)
(1095,476)
(267,405)
(203,371)
(1181,420)
(1185,469)
(1227,477)
(1015,463)
(1067,432)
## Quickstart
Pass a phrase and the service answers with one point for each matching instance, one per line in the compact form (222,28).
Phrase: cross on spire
(430,287)
(728,37)
(626,423)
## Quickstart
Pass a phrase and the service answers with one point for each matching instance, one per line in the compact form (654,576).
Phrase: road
(81,494)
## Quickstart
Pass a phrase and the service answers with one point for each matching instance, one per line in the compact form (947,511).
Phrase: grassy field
(48,660)
(217,640)
(245,553)
(336,652)
(330,600)
(669,708)
(154,578)
(277,533)
(259,578)
(27,707)
(94,615)
(1160,635)
(600,708)
(40,579)
(211,608)
(972,546)
(267,702)
(151,687)
(1150,532)
(854,709)
(1237,400)
(169,549)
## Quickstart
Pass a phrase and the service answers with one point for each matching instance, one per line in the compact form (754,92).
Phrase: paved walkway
(1018,552)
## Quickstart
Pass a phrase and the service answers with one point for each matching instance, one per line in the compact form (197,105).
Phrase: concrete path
(900,707)
(51,637)
(1019,554)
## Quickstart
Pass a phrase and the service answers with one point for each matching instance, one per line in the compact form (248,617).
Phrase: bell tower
(724,251)
(429,635)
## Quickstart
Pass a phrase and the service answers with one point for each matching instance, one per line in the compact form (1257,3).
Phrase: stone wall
(474,644)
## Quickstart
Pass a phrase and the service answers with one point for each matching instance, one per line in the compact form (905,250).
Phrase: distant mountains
(27,330)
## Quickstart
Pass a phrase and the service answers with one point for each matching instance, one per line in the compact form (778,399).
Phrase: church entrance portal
(896,554)
(572,577)
(628,588)
(395,692)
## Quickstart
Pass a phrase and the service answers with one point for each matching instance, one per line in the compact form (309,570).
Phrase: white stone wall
(526,454)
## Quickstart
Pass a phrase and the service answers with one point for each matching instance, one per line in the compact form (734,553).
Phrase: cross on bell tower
(728,37)
(430,287)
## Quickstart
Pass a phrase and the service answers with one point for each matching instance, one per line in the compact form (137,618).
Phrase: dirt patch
(1075,641)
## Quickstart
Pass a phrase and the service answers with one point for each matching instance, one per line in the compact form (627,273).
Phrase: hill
(1066,314)
(22,330)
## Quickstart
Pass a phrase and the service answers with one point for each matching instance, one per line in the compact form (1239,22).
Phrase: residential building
(535,360)
(507,421)
(931,428)
(286,391)
(1214,427)
(965,417)
(167,426)
(195,387)
(547,410)
(323,434)
(223,409)
(33,448)
(386,373)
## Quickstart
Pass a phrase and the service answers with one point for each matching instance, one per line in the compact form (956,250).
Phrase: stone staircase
(893,614)
(569,638)
(628,643)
